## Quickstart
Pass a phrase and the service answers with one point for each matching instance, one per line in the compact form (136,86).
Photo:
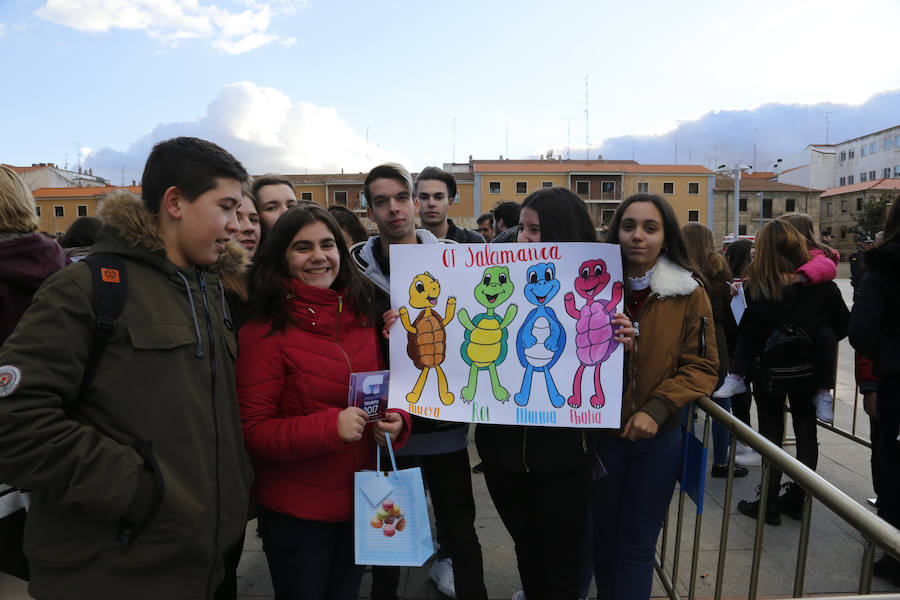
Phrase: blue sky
(297,86)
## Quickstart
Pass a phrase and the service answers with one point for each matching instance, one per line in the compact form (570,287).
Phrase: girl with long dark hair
(775,308)
(310,326)
(672,363)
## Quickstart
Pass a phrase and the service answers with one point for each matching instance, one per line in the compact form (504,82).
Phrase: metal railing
(874,530)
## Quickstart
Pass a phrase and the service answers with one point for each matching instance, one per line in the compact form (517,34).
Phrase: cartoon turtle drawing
(594,339)
(541,337)
(426,339)
(485,338)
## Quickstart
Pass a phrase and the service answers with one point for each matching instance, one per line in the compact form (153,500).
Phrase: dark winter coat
(463,236)
(153,447)
(875,322)
(292,385)
(25,262)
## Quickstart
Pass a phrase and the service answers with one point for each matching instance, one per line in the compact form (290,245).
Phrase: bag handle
(390,451)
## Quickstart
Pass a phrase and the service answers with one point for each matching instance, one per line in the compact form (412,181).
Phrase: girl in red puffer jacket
(309,328)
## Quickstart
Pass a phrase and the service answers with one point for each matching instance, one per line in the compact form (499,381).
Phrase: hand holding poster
(509,332)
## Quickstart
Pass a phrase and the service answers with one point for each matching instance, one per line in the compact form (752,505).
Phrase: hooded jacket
(875,320)
(292,385)
(26,260)
(429,436)
(674,360)
(141,484)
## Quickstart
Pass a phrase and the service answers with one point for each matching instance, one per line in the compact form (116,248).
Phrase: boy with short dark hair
(138,474)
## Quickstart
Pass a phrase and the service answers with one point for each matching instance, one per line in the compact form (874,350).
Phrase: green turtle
(485,338)
(426,338)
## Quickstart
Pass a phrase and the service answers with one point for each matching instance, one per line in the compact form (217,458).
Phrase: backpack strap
(108,286)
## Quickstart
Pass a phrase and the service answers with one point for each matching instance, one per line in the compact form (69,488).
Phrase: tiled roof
(726,184)
(82,192)
(879,184)
(21,170)
(582,166)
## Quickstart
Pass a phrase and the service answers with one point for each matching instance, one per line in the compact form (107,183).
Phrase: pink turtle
(594,334)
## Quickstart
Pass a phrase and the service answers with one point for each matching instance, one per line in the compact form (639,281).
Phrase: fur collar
(668,279)
(134,225)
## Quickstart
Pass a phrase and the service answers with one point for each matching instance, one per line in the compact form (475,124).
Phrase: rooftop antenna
(123,175)
(587,135)
(368,127)
(67,162)
(827,123)
(568,138)
(78,155)
(454,139)
(633,142)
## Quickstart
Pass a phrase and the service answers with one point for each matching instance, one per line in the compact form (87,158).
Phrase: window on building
(849,179)
(693,216)
(843,181)
(606,215)
(669,187)
(859,203)
(829,210)
(862,177)
(888,142)
(844,155)
(493,187)
(37,210)
(307,196)
(82,210)
(546,184)
(886,172)
(643,187)
(742,205)
(863,150)
(583,188)
(59,211)
(767,208)
(843,206)
(456,198)
(873,147)
(693,188)
(742,230)
(362,199)
(897,141)
(872,176)
(851,153)
(896,170)
(608,188)
(340,198)
(843,232)
(790,205)
(521,187)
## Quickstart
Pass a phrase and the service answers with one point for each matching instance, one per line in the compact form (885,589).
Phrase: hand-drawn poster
(514,334)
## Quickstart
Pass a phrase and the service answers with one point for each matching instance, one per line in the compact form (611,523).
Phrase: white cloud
(266,131)
(2,29)
(172,21)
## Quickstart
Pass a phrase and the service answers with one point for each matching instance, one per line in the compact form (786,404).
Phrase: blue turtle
(541,337)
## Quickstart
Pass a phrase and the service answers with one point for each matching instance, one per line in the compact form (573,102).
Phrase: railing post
(760,525)
(726,518)
(698,520)
(865,576)
(803,547)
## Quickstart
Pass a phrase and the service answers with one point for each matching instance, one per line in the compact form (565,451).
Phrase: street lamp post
(736,173)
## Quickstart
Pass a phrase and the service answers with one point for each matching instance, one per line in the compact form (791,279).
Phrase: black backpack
(108,285)
(787,361)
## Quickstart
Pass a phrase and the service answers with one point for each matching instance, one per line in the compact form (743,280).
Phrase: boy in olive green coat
(140,483)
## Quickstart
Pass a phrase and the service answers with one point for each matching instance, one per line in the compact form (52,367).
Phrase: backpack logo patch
(109,275)
(10,377)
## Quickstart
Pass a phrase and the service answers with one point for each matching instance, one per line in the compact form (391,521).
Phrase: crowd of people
(190,371)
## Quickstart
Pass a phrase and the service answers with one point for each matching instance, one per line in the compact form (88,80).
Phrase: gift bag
(390,517)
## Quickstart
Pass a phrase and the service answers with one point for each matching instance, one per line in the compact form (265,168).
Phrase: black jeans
(309,560)
(449,481)
(770,408)
(545,516)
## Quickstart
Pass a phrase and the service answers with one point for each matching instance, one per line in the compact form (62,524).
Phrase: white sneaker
(441,573)
(520,595)
(746,456)
(732,386)
(824,406)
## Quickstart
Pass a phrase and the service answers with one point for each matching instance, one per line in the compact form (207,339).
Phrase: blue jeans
(309,560)
(629,507)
